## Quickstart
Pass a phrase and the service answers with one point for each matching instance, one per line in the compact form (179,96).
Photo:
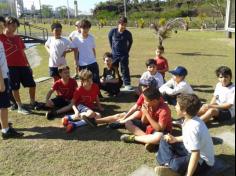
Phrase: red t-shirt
(140,100)
(65,90)
(86,97)
(14,49)
(161,64)
(162,116)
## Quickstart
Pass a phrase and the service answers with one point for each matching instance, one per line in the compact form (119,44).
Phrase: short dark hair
(56,26)
(62,68)
(85,24)
(2,19)
(151,62)
(122,19)
(224,71)
(161,48)
(12,20)
(107,54)
(189,103)
(152,94)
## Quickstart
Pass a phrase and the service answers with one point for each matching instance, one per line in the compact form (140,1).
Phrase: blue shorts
(53,71)
(5,96)
(21,75)
(81,108)
(224,115)
(60,102)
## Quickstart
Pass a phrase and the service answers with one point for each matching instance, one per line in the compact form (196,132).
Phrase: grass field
(47,150)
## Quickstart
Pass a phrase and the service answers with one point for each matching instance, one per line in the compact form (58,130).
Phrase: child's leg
(91,114)
(64,109)
(32,91)
(150,138)
(4,118)
(50,104)
(110,119)
(16,95)
(131,127)
(212,112)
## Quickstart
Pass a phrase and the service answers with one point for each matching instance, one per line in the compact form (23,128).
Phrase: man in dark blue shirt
(121,41)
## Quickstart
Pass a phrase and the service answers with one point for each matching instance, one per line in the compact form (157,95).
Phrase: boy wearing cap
(222,105)
(57,48)
(176,85)
(121,40)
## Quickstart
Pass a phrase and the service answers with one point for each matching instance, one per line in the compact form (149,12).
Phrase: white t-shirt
(225,95)
(197,137)
(3,62)
(74,34)
(172,88)
(85,48)
(57,48)
(158,77)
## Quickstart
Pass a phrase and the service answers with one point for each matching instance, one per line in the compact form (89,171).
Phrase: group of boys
(149,120)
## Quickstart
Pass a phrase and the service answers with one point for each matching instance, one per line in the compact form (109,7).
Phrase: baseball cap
(180,71)
(151,82)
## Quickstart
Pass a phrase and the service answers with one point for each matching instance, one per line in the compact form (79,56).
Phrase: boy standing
(176,85)
(65,88)
(222,105)
(162,63)
(7,132)
(193,152)
(156,120)
(111,80)
(19,68)
(85,52)
(83,102)
(57,48)
(121,40)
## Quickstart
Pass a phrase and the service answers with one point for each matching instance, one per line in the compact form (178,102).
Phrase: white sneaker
(127,88)
(23,111)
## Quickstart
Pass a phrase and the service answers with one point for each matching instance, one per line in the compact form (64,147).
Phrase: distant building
(12,7)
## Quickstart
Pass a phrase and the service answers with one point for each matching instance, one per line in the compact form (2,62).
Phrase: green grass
(47,150)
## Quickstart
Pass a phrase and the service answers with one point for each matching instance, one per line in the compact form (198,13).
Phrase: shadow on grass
(135,76)
(124,97)
(85,133)
(203,88)
(202,54)
(216,124)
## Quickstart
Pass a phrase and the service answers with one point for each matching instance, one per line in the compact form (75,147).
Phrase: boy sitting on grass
(156,120)
(65,88)
(111,80)
(176,85)
(193,152)
(83,103)
(222,105)
(151,65)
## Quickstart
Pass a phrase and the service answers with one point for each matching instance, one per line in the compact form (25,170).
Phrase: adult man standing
(121,41)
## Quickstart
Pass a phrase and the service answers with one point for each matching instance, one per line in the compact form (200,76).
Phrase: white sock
(5,130)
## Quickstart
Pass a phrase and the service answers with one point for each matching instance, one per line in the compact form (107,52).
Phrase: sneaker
(9,125)
(12,133)
(51,115)
(127,138)
(152,148)
(23,111)
(65,121)
(178,123)
(70,128)
(90,121)
(37,106)
(116,125)
(165,171)
(127,88)
(13,107)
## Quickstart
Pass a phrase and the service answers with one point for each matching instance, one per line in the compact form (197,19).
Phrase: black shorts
(60,102)
(140,125)
(53,71)
(224,115)
(5,96)
(21,75)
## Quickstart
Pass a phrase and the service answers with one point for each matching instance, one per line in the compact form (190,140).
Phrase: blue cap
(151,82)
(180,71)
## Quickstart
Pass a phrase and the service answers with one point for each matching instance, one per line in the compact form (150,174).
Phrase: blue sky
(83,5)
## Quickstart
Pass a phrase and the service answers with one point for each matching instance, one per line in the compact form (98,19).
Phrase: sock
(69,117)
(5,130)
(79,123)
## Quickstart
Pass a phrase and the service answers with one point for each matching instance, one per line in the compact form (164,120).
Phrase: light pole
(68,10)
(125,8)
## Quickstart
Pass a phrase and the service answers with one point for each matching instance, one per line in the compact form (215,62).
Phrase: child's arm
(2,84)
(99,104)
(94,52)
(49,94)
(47,48)
(192,166)
(77,114)
(128,116)
(174,91)
(76,58)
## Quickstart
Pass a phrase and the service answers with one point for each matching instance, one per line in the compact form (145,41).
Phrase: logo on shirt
(10,47)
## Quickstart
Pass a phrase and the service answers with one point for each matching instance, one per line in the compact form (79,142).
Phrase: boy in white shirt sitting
(222,105)
(176,85)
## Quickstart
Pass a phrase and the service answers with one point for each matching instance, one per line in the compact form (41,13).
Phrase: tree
(218,6)
(3,5)
(62,11)
(47,11)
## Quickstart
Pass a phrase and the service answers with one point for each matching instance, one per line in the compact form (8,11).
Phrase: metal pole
(125,8)
(68,11)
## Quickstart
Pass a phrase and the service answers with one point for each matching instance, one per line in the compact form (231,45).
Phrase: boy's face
(177,78)
(150,103)
(65,74)
(87,84)
(152,69)
(2,27)
(11,28)
(85,31)
(57,32)
(108,62)
(178,110)
(225,80)
(122,26)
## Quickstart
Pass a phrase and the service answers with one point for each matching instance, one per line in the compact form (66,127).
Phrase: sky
(83,5)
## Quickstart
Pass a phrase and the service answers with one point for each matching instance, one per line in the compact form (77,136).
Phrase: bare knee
(49,104)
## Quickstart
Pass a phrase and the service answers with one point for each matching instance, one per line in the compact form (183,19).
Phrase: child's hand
(205,107)
(2,87)
(170,139)
(144,109)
